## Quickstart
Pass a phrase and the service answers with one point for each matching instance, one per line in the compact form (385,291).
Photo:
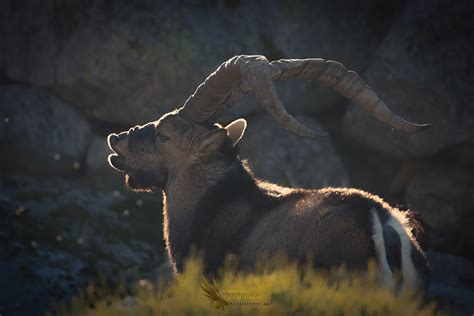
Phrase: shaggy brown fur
(212,200)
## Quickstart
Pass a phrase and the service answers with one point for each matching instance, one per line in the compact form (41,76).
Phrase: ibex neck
(194,200)
(188,187)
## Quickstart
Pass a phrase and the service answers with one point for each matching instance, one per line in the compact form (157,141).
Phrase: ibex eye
(163,138)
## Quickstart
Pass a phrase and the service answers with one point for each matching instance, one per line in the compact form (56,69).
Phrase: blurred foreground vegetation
(276,287)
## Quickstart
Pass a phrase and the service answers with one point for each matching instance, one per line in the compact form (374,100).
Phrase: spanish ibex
(212,200)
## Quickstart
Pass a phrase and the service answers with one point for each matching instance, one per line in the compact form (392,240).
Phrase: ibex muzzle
(124,143)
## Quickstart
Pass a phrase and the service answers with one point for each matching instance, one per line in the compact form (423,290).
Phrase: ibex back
(212,200)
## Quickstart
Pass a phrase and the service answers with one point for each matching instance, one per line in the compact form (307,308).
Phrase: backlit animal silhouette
(212,200)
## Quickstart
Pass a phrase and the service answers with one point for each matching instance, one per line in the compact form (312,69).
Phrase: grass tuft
(276,287)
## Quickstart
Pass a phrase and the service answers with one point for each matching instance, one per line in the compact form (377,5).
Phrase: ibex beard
(213,201)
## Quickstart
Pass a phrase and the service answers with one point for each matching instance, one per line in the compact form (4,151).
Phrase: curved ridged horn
(349,84)
(245,74)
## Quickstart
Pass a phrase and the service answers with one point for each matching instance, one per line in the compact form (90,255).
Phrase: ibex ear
(236,130)
(211,141)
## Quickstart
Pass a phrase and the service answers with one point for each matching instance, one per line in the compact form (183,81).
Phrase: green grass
(279,287)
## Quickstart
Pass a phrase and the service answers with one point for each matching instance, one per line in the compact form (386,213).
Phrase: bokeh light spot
(19,210)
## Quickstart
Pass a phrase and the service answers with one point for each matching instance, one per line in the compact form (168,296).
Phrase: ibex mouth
(116,160)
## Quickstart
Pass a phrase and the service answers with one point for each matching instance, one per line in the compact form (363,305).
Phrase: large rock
(129,62)
(39,133)
(443,195)
(423,71)
(286,159)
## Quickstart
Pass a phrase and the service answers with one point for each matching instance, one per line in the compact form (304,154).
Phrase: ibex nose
(117,142)
(112,140)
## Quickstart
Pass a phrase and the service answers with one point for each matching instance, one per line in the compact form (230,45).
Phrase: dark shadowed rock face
(129,62)
(451,281)
(57,236)
(286,159)
(443,194)
(423,71)
(39,133)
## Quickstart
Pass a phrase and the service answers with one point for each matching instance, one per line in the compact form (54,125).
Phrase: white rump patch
(387,276)
(396,221)
(410,276)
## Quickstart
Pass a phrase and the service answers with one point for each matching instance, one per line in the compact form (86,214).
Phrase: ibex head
(150,154)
